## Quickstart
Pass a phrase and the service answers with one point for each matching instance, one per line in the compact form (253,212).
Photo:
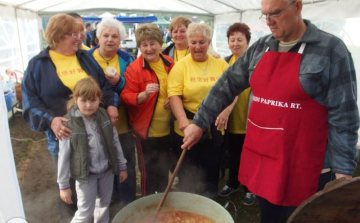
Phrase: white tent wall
(29,31)
(11,205)
(19,39)
(10,53)
(221,24)
(319,11)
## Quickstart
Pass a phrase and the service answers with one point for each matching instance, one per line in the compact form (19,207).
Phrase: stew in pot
(177,217)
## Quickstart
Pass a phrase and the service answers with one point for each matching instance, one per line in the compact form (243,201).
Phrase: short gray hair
(197,29)
(148,31)
(108,22)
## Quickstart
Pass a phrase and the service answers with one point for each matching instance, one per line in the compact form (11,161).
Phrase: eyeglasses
(74,35)
(274,15)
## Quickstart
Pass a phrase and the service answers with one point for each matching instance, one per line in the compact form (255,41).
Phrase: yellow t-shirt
(84,47)
(238,116)
(121,124)
(179,54)
(68,69)
(160,123)
(232,60)
(192,80)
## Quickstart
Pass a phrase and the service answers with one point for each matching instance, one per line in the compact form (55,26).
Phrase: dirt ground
(36,175)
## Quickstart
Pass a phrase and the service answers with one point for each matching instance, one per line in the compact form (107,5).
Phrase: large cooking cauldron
(175,201)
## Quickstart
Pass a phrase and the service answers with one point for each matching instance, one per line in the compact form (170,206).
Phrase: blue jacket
(124,60)
(45,96)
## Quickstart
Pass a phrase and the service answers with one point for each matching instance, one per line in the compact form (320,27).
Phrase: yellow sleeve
(176,80)
(224,65)
(84,47)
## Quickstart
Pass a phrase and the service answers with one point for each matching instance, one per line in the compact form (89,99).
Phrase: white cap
(111,71)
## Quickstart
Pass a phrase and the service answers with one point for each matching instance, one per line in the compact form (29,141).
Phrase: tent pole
(20,45)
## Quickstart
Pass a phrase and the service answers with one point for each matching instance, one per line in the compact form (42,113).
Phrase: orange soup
(177,217)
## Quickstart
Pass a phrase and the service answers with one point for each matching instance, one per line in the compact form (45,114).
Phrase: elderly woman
(110,32)
(189,82)
(145,97)
(51,76)
(238,36)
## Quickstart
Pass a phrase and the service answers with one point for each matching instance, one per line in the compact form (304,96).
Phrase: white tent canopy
(203,7)
(20,21)
(21,24)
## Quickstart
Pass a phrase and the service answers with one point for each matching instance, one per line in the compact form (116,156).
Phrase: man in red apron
(303,120)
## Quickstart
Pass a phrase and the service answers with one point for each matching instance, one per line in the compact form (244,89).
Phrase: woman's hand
(112,79)
(167,104)
(123,175)
(151,88)
(65,195)
(113,113)
(183,123)
(222,120)
(60,131)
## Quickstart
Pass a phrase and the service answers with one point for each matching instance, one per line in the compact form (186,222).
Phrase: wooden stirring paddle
(169,184)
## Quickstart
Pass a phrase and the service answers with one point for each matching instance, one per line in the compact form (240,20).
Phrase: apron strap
(302,47)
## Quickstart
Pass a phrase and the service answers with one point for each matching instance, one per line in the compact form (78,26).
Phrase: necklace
(204,70)
(107,61)
(177,58)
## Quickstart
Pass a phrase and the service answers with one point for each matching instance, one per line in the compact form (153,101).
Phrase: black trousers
(235,146)
(153,156)
(271,213)
(199,172)
(127,189)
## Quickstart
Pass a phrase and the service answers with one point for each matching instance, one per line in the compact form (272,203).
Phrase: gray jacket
(326,74)
(93,148)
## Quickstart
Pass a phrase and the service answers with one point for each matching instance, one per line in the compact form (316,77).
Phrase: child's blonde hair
(86,88)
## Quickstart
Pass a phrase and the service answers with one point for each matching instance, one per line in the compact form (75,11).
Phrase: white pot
(175,201)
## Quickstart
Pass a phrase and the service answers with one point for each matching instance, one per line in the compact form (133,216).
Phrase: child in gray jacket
(91,155)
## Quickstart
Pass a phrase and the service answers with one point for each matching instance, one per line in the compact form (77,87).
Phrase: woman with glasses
(50,79)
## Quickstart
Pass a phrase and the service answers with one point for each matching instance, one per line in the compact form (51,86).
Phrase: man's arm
(343,117)
(233,81)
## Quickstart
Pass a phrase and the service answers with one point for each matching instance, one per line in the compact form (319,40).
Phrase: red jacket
(137,75)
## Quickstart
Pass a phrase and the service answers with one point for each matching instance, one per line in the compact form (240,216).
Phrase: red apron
(286,134)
